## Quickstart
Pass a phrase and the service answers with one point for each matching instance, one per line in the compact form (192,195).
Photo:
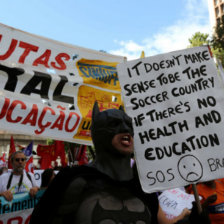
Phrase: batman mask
(107,124)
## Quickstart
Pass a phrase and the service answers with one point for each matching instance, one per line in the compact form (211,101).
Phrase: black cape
(50,200)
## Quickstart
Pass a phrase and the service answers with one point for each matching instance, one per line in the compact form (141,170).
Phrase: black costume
(93,197)
(99,193)
(86,195)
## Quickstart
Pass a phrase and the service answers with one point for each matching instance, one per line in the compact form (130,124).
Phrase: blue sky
(120,27)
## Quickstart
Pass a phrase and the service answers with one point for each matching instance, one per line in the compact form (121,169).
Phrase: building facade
(216,11)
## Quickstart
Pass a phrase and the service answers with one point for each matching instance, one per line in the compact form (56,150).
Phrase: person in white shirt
(18,180)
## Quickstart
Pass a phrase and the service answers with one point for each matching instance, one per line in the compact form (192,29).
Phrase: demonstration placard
(174,201)
(48,88)
(176,101)
(19,209)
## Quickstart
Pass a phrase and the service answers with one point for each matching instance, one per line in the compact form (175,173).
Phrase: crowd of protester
(109,168)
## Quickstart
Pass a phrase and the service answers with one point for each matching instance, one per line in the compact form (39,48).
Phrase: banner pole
(71,156)
(197,200)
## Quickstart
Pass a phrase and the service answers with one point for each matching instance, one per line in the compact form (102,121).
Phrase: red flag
(12,149)
(29,165)
(20,147)
(60,151)
(3,160)
(47,154)
(82,155)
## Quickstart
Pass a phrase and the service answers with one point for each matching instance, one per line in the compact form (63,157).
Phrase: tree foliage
(199,39)
(217,41)
(218,36)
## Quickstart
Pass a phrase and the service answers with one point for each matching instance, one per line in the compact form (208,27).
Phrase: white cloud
(174,37)
(130,49)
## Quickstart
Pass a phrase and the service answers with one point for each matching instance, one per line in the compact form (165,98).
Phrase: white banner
(176,101)
(48,88)
(173,201)
(19,209)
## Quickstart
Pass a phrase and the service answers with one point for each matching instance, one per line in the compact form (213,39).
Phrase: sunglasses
(20,159)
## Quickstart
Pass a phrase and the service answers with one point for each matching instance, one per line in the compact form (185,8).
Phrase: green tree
(218,36)
(218,40)
(199,39)
(50,141)
(216,43)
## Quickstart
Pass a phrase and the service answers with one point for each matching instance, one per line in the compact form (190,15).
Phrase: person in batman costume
(106,191)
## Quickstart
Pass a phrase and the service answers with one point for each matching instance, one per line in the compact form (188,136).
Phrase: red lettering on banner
(5,108)
(9,52)
(173,191)
(28,48)
(32,116)
(10,110)
(68,120)
(40,125)
(44,59)
(58,58)
(28,219)
(18,219)
(59,121)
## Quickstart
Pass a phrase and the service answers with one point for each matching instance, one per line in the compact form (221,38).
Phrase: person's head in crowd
(17,181)
(3,170)
(112,130)
(46,177)
(112,135)
(18,161)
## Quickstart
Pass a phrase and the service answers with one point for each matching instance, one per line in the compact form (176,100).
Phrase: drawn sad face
(190,168)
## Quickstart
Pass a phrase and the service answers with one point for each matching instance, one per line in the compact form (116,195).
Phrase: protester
(212,193)
(46,177)
(18,180)
(3,170)
(106,191)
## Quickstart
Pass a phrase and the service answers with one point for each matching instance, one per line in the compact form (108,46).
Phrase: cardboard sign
(48,88)
(173,201)
(176,101)
(19,209)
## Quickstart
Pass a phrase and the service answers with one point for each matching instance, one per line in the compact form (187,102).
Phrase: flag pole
(71,156)
(197,200)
